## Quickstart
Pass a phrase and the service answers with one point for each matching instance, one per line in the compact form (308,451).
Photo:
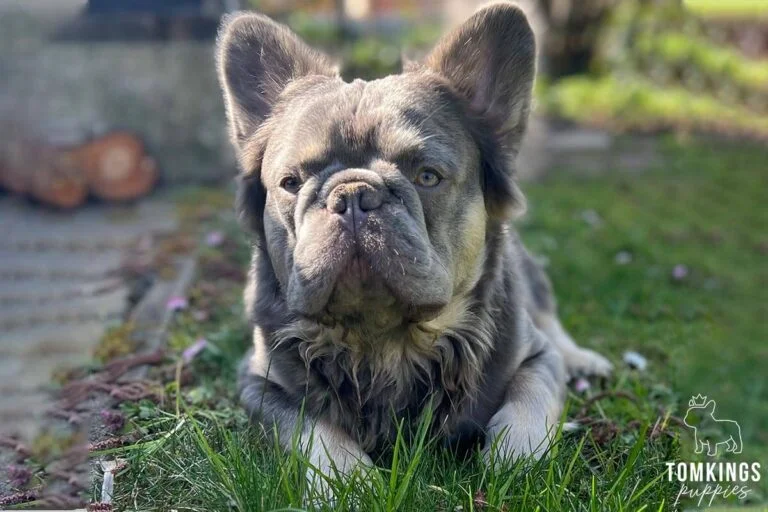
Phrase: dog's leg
(330,452)
(578,361)
(526,421)
(543,309)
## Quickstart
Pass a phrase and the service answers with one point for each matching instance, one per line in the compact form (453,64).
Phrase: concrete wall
(166,92)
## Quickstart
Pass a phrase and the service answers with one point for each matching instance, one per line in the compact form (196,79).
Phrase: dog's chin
(386,274)
(360,295)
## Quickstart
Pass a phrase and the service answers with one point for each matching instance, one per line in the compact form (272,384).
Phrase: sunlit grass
(703,333)
(741,8)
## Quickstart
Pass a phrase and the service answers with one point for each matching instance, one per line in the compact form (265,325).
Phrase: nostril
(337,203)
(354,199)
(370,199)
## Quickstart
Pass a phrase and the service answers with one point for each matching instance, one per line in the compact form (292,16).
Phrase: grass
(636,103)
(718,65)
(731,8)
(705,209)
(702,332)
(657,67)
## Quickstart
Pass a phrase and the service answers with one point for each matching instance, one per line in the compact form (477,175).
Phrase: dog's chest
(369,404)
(369,393)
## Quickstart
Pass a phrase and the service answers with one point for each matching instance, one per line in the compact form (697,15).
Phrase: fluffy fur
(373,295)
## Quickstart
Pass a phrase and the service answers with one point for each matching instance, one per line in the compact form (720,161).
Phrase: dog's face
(373,200)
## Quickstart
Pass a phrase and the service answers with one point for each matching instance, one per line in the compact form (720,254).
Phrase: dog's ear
(491,60)
(257,58)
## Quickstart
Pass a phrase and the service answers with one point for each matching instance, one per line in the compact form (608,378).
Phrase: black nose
(353,201)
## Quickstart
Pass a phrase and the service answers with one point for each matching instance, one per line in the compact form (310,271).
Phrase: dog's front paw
(330,467)
(514,434)
(582,362)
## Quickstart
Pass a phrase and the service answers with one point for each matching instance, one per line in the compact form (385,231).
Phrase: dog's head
(377,196)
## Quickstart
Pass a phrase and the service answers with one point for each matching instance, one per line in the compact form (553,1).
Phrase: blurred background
(645,163)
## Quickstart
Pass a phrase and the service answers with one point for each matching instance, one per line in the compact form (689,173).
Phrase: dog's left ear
(491,60)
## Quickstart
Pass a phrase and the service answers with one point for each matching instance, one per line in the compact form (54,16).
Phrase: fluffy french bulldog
(386,277)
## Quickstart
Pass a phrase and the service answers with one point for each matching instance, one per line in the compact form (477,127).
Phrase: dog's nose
(353,201)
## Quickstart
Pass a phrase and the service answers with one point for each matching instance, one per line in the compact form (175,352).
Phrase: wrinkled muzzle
(361,246)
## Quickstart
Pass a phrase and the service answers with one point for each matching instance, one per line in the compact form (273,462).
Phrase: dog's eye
(290,184)
(428,178)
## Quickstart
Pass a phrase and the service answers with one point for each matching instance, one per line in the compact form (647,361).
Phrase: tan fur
(471,253)
(396,361)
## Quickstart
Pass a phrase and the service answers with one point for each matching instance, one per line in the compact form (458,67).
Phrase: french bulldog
(387,278)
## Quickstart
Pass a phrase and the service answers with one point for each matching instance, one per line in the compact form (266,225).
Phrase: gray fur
(372,296)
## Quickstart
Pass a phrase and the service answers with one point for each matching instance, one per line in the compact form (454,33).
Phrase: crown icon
(697,401)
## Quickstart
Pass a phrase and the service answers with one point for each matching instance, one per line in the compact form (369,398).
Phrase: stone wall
(164,91)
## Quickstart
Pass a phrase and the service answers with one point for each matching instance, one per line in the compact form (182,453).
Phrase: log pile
(114,167)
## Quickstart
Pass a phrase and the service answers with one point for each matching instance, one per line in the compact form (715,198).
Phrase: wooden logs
(113,167)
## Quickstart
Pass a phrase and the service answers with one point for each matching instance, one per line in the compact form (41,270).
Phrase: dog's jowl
(386,277)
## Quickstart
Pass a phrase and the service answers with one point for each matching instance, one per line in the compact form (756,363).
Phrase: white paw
(582,362)
(515,436)
(326,469)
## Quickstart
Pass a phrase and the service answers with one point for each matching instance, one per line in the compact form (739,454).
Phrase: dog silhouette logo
(727,436)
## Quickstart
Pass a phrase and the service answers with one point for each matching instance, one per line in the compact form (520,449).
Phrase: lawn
(669,262)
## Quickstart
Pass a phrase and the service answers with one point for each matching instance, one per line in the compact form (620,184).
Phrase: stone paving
(61,288)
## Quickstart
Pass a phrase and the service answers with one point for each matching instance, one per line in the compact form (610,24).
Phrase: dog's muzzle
(352,194)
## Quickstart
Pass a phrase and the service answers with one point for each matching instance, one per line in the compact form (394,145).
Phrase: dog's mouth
(357,271)
(385,274)
(361,294)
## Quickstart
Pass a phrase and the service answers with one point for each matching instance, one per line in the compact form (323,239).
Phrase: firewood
(43,172)
(116,167)
(56,181)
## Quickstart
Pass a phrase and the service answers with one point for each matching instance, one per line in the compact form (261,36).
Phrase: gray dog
(386,277)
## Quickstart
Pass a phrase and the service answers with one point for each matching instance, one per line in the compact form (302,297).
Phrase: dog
(386,277)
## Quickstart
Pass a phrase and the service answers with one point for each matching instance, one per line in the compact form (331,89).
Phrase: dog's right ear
(256,59)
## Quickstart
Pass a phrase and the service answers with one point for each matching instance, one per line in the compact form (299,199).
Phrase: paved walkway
(62,286)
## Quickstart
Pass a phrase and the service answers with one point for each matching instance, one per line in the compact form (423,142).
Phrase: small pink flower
(214,239)
(193,350)
(680,272)
(581,385)
(177,303)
